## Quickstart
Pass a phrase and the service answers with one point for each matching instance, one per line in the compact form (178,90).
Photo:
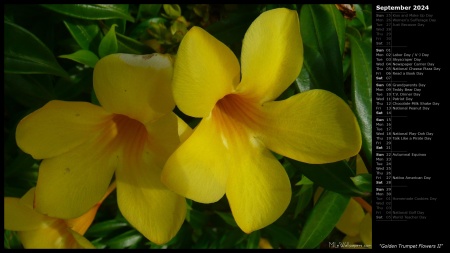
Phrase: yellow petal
(82,242)
(360,166)
(272,54)
(70,184)
(258,188)
(366,229)
(20,217)
(58,127)
(315,127)
(81,224)
(54,236)
(163,138)
(199,168)
(137,86)
(146,203)
(264,244)
(184,130)
(205,71)
(351,218)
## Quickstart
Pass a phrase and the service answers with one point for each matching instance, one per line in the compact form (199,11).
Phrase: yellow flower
(264,244)
(38,231)
(130,136)
(229,151)
(354,222)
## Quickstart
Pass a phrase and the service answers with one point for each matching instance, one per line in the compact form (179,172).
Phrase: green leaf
(338,23)
(361,69)
(253,240)
(360,14)
(24,53)
(279,234)
(121,24)
(11,240)
(304,181)
(232,28)
(148,10)
(85,32)
(198,219)
(322,219)
(92,11)
(228,218)
(304,198)
(231,238)
(82,56)
(363,182)
(322,57)
(140,31)
(331,176)
(303,80)
(32,91)
(125,240)
(131,46)
(104,228)
(108,45)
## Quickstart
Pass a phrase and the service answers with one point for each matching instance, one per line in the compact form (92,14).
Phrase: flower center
(131,135)
(237,112)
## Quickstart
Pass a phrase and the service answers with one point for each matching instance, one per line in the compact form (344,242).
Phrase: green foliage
(108,45)
(322,48)
(26,54)
(50,51)
(322,219)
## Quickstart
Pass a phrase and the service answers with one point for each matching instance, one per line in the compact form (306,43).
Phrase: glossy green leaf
(108,45)
(11,240)
(197,219)
(92,11)
(140,31)
(85,32)
(360,14)
(228,218)
(29,90)
(280,235)
(82,56)
(121,24)
(105,228)
(304,181)
(233,28)
(361,69)
(303,81)
(338,23)
(24,53)
(148,10)
(304,197)
(230,238)
(331,176)
(322,219)
(322,57)
(253,240)
(131,46)
(363,182)
(125,240)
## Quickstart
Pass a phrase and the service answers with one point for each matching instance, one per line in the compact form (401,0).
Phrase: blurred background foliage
(50,51)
